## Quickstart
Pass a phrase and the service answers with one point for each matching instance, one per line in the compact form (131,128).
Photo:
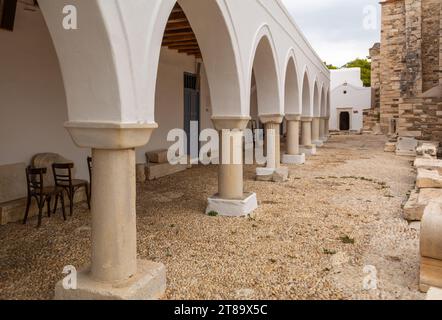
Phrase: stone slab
(293,159)
(12,182)
(406,146)
(390,147)
(233,208)
(428,178)
(264,174)
(148,284)
(428,164)
(418,201)
(160,170)
(14,211)
(430,274)
(434,294)
(157,156)
(428,149)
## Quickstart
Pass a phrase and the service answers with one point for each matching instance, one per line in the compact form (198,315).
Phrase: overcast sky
(337,29)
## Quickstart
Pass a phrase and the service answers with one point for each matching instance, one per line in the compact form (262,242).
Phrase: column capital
(110,135)
(230,122)
(293,117)
(271,118)
(306,118)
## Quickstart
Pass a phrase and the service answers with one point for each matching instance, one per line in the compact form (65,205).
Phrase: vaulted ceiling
(179,35)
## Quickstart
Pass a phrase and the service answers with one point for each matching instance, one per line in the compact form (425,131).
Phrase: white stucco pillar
(306,136)
(327,128)
(113,211)
(315,132)
(292,155)
(273,170)
(231,200)
(322,129)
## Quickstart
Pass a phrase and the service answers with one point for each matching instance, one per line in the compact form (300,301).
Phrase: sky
(339,30)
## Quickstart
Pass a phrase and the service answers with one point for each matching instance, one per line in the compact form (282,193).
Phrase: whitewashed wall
(32,96)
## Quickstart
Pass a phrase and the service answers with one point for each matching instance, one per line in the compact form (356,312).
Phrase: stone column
(315,132)
(327,124)
(306,126)
(292,155)
(273,170)
(231,200)
(322,129)
(113,212)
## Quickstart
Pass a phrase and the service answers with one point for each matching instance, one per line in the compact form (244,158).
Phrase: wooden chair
(89,166)
(63,179)
(37,190)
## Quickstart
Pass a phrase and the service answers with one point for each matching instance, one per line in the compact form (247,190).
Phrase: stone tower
(410,65)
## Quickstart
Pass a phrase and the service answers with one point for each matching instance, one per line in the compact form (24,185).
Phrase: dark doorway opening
(191,108)
(344,121)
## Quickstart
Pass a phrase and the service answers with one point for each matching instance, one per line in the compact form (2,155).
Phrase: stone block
(406,146)
(12,182)
(14,211)
(430,164)
(160,170)
(281,174)
(293,159)
(141,172)
(264,174)
(434,294)
(157,156)
(428,149)
(390,147)
(148,284)
(233,208)
(428,179)
(418,201)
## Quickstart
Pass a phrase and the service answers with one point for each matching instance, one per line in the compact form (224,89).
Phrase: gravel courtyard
(310,238)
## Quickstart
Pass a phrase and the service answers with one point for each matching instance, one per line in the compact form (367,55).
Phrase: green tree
(365,66)
(330,66)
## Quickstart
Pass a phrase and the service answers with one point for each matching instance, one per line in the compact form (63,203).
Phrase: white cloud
(335,28)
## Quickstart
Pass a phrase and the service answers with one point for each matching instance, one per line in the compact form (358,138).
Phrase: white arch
(264,65)
(316,101)
(219,51)
(306,95)
(323,101)
(291,88)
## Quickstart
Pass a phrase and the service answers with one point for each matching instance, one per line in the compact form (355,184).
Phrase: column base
(280,174)
(434,294)
(293,159)
(233,208)
(308,150)
(324,139)
(148,284)
(318,143)
(430,274)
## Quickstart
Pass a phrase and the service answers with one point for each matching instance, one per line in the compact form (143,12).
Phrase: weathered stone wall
(372,116)
(392,60)
(430,43)
(410,64)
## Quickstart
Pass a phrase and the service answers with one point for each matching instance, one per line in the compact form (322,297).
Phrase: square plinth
(232,208)
(148,284)
(293,159)
(308,150)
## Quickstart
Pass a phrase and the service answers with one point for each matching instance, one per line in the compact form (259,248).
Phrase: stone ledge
(233,208)
(148,284)
(293,159)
